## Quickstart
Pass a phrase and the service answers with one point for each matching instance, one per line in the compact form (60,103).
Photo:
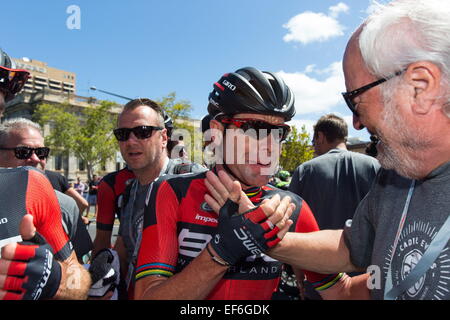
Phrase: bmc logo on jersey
(192,243)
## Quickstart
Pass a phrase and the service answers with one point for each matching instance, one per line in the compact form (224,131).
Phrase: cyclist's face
(142,154)
(24,137)
(250,159)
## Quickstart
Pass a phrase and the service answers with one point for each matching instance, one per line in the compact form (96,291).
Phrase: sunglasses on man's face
(25,153)
(140,132)
(257,125)
(12,81)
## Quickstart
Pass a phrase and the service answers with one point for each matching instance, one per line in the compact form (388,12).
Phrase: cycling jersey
(109,197)
(26,190)
(179,224)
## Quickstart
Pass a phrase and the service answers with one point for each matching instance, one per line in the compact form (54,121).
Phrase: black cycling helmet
(12,80)
(249,90)
(205,122)
(168,123)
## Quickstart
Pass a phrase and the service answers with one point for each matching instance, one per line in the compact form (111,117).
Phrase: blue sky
(149,48)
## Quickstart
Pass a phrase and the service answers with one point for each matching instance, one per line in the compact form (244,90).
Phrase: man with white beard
(399,89)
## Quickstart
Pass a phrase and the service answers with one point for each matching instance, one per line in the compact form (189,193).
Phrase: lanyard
(388,286)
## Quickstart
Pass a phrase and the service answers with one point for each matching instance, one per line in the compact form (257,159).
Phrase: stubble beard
(396,154)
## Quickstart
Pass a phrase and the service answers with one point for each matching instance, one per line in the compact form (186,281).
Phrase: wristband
(216,259)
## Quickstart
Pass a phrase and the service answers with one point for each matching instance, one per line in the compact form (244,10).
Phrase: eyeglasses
(350,96)
(12,81)
(141,132)
(257,125)
(25,153)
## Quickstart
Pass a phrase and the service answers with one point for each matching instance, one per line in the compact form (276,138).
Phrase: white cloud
(310,26)
(313,95)
(309,125)
(337,9)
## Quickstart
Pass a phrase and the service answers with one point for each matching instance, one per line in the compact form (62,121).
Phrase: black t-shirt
(93,191)
(58,181)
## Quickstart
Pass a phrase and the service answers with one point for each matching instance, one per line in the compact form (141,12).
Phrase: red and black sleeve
(42,204)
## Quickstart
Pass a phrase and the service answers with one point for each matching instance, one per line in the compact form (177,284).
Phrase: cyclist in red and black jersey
(109,198)
(188,250)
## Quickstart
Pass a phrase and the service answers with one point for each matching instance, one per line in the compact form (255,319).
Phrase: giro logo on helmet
(230,86)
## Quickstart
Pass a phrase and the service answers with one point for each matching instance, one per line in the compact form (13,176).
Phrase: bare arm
(102,241)
(322,251)
(81,202)
(348,288)
(75,280)
(195,281)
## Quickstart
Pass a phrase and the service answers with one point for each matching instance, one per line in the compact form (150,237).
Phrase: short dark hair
(133,104)
(333,127)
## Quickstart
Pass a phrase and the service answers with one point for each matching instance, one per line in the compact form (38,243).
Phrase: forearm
(75,280)
(195,282)
(102,241)
(322,251)
(348,288)
(81,202)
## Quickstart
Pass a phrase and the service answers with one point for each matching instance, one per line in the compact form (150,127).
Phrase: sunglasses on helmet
(25,153)
(12,81)
(141,132)
(257,125)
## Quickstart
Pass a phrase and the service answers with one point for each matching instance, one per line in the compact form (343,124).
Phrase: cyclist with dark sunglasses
(197,241)
(141,131)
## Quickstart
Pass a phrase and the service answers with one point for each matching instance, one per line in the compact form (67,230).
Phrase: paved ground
(92,227)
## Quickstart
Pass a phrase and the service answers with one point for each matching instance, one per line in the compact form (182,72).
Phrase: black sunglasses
(257,125)
(141,132)
(25,153)
(12,81)
(350,96)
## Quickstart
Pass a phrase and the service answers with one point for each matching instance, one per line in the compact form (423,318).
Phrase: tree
(180,111)
(88,133)
(296,149)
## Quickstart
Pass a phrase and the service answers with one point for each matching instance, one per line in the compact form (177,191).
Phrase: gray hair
(403,32)
(15,124)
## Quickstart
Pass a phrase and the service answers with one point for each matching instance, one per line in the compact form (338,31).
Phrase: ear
(425,79)
(321,137)
(216,127)
(164,137)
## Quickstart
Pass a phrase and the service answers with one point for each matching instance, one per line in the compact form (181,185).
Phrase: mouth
(134,154)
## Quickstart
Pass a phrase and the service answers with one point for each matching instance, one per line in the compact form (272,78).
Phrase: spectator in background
(333,183)
(79,186)
(92,194)
(336,180)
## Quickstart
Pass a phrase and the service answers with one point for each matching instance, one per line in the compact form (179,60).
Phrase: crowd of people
(343,225)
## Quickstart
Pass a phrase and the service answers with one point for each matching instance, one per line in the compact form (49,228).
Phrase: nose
(357,124)
(34,160)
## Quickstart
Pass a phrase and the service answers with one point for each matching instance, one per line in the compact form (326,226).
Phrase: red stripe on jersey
(109,190)
(159,239)
(42,204)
